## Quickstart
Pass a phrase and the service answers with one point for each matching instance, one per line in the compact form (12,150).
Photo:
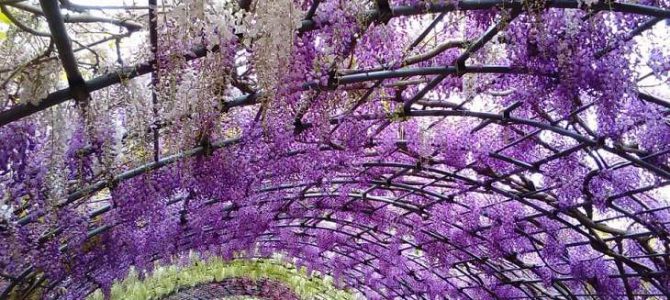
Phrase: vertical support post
(153,38)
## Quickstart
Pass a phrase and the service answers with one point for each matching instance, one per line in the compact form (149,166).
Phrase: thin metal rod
(153,38)
(60,37)
(23,110)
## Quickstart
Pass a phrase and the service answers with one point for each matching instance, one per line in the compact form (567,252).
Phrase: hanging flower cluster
(385,149)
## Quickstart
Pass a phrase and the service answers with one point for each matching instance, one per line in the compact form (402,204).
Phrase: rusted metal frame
(312,10)
(363,227)
(477,282)
(459,63)
(626,275)
(345,254)
(351,47)
(484,261)
(534,166)
(100,185)
(442,173)
(628,262)
(362,195)
(442,177)
(558,130)
(651,99)
(13,283)
(635,32)
(582,243)
(345,233)
(652,210)
(360,102)
(512,173)
(415,43)
(475,257)
(378,83)
(153,39)
(357,236)
(609,259)
(537,131)
(505,112)
(110,79)
(646,157)
(512,259)
(430,184)
(617,237)
(620,268)
(353,235)
(60,37)
(379,184)
(413,190)
(552,212)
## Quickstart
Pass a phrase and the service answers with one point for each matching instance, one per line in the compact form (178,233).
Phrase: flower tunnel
(306,149)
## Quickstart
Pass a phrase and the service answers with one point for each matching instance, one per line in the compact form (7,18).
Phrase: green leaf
(167,279)
(4,19)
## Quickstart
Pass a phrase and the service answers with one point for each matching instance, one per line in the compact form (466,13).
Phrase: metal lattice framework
(415,186)
(262,289)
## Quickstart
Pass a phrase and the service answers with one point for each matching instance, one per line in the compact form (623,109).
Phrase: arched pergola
(409,149)
(229,288)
